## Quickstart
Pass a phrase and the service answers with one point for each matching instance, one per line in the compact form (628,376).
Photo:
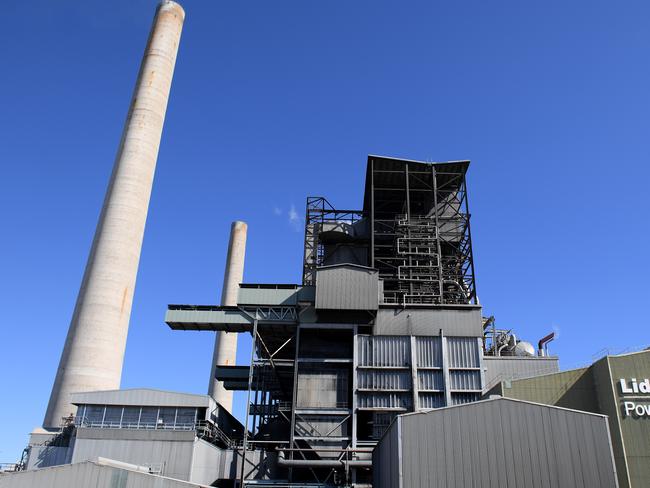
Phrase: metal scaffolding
(414,228)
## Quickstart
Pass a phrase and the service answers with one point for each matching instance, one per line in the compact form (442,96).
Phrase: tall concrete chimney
(225,343)
(93,354)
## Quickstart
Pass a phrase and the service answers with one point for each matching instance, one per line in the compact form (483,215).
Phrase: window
(167,416)
(130,417)
(95,414)
(185,417)
(148,417)
(113,416)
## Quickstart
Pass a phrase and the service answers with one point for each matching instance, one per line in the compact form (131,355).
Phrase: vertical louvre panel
(432,400)
(463,352)
(430,380)
(385,400)
(381,421)
(461,398)
(429,352)
(384,351)
(384,380)
(465,380)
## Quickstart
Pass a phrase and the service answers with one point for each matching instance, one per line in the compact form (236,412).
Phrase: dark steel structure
(414,229)
(385,322)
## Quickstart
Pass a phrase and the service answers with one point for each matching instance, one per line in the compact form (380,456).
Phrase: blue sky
(275,101)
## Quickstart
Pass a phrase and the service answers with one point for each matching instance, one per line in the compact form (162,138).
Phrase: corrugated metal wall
(383,380)
(463,352)
(88,474)
(429,380)
(385,373)
(429,352)
(384,351)
(174,457)
(386,462)
(497,443)
(345,287)
(464,322)
(510,368)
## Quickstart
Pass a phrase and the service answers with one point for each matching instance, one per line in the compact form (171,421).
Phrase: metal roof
(394,172)
(141,397)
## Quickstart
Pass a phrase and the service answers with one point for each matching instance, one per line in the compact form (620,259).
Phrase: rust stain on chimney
(126,288)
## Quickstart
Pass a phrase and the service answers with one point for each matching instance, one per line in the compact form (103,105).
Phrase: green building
(617,386)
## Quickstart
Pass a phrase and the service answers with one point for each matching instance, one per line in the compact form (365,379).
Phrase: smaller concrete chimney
(225,343)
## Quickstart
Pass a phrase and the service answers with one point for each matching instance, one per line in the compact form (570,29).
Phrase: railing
(85,422)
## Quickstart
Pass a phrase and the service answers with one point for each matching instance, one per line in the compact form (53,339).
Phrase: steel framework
(320,214)
(417,234)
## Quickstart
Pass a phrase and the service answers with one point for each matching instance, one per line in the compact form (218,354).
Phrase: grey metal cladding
(384,351)
(136,434)
(95,474)
(429,352)
(206,318)
(140,397)
(385,461)
(383,380)
(498,443)
(463,352)
(430,380)
(268,296)
(511,368)
(347,287)
(465,380)
(174,457)
(460,322)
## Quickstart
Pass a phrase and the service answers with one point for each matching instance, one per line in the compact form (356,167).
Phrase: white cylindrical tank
(524,348)
(225,343)
(93,354)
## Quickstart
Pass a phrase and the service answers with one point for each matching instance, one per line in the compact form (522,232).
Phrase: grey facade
(458,321)
(347,287)
(178,435)
(496,443)
(506,368)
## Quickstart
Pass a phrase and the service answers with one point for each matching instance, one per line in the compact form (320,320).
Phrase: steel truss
(318,213)
(420,231)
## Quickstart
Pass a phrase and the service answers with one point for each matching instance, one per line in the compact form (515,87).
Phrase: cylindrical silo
(225,344)
(93,354)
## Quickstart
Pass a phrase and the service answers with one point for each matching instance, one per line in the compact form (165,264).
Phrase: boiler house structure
(377,369)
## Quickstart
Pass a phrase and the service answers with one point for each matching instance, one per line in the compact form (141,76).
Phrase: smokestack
(225,343)
(93,354)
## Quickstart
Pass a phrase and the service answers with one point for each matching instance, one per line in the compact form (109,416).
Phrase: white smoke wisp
(294,220)
(556,329)
(277,211)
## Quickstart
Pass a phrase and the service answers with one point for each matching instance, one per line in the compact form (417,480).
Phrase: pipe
(542,345)
(322,463)
(225,343)
(93,353)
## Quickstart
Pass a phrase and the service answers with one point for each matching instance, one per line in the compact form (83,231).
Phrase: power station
(378,369)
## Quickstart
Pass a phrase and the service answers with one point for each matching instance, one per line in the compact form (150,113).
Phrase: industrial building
(385,322)
(495,443)
(617,386)
(381,351)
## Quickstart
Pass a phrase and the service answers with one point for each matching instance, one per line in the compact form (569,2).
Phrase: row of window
(111,416)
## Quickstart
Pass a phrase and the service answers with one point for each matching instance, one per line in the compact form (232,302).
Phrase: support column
(225,343)
(93,353)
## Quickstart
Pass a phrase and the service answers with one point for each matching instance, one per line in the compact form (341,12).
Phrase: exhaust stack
(225,343)
(93,354)
(542,345)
